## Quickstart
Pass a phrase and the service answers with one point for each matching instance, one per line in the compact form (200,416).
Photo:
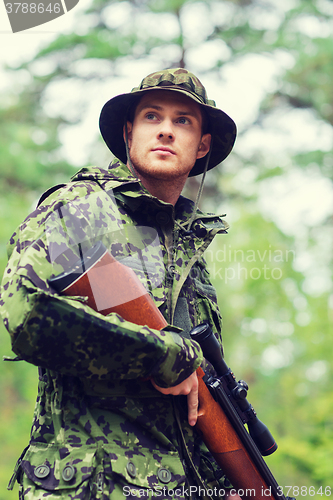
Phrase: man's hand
(189,388)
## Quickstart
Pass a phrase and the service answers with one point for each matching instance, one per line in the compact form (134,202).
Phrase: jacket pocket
(141,472)
(55,469)
(89,473)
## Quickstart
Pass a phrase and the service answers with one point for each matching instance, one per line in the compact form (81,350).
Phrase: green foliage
(277,328)
(18,380)
(285,363)
(29,145)
(311,78)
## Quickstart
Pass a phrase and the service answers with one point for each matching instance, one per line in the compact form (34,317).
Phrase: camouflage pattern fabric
(181,78)
(100,429)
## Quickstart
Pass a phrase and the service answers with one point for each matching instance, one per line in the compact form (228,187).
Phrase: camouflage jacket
(99,425)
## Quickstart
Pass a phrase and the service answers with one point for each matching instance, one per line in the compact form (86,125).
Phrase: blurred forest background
(268,63)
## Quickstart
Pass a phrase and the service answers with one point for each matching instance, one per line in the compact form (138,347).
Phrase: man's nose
(166,130)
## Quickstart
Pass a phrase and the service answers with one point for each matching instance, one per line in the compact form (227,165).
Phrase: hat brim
(115,112)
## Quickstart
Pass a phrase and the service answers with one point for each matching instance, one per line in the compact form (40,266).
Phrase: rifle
(111,286)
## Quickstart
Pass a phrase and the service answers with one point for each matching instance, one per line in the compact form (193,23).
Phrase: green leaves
(273,270)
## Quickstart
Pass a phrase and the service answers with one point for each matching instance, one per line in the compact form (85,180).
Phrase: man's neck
(164,189)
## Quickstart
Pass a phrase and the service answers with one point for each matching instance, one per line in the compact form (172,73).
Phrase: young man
(110,418)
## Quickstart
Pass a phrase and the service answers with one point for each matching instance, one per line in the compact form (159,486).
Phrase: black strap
(49,192)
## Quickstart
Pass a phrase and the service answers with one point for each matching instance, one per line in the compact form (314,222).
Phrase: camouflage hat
(221,126)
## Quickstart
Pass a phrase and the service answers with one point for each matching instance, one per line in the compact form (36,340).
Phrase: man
(110,419)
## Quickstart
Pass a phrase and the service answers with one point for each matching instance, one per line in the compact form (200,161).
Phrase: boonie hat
(115,112)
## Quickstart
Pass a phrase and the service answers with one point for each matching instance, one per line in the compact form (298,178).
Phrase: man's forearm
(67,336)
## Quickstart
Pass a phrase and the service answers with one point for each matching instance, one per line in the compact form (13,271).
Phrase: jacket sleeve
(64,334)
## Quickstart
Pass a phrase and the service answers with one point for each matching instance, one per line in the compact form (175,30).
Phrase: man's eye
(150,116)
(183,120)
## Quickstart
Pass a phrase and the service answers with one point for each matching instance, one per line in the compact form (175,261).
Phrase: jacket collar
(129,191)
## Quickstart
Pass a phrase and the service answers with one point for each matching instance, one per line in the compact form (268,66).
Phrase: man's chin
(159,171)
(164,174)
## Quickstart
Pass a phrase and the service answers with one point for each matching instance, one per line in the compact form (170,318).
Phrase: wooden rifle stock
(111,286)
(228,450)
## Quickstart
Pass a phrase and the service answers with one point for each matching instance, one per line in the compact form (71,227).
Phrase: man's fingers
(192,403)
(189,387)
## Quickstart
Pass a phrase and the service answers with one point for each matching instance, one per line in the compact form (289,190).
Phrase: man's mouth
(164,151)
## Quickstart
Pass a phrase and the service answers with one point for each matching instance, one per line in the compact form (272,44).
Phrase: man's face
(165,139)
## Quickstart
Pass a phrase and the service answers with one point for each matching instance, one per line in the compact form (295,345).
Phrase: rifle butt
(110,286)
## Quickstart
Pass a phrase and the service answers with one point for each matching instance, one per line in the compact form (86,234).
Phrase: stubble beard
(165,185)
(152,172)
(159,170)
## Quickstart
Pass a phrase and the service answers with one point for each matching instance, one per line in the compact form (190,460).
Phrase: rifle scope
(236,391)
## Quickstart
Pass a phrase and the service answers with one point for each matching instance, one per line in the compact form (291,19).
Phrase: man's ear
(204,145)
(129,126)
